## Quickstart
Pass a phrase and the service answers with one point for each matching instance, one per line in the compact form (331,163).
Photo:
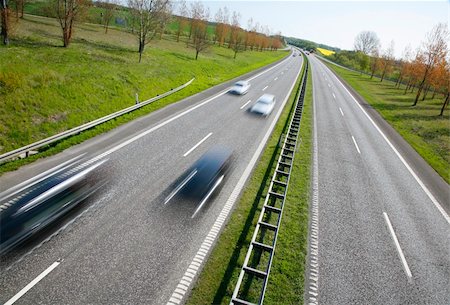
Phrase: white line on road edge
(397,245)
(189,276)
(313,283)
(419,181)
(246,104)
(265,88)
(357,148)
(32,284)
(341,111)
(197,145)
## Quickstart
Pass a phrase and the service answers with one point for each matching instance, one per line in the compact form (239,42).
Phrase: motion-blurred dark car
(40,204)
(200,181)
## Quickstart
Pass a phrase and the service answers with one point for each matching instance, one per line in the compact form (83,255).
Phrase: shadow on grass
(182,56)
(104,46)
(242,243)
(420,117)
(42,22)
(28,42)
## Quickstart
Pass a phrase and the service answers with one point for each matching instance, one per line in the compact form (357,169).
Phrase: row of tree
(193,21)
(148,19)
(427,70)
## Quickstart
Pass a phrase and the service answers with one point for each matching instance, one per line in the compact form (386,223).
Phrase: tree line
(425,71)
(147,19)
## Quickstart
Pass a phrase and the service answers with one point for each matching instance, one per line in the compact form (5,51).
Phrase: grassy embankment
(420,126)
(286,283)
(46,89)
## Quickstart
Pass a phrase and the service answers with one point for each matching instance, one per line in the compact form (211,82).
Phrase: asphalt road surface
(124,245)
(383,238)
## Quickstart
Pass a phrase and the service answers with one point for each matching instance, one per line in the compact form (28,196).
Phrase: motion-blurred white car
(241,87)
(264,105)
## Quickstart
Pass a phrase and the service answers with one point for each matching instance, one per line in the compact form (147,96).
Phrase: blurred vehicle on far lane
(240,87)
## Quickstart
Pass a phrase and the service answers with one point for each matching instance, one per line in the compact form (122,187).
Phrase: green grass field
(46,89)
(219,276)
(421,126)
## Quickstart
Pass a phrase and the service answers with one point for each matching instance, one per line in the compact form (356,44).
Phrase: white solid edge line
(241,183)
(265,88)
(397,245)
(32,284)
(356,145)
(197,145)
(419,181)
(243,106)
(341,111)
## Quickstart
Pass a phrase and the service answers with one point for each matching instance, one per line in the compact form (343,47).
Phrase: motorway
(382,237)
(124,245)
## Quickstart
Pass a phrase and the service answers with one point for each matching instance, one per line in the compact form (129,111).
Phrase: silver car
(241,87)
(264,105)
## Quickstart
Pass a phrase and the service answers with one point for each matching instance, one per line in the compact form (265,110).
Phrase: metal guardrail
(262,246)
(26,149)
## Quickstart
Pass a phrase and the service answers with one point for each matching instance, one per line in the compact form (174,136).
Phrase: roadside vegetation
(49,83)
(47,89)
(286,282)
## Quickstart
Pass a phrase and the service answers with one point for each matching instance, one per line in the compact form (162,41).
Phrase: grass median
(286,283)
(421,126)
(46,89)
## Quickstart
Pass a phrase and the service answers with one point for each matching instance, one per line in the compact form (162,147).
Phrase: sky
(336,23)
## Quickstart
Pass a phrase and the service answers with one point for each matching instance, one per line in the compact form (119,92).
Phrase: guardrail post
(137,98)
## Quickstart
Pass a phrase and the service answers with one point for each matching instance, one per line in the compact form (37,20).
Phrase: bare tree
(374,61)
(147,16)
(387,60)
(109,9)
(5,19)
(234,28)
(181,18)
(404,64)
(68,12)
(366,42)
(199,26)
(447,88)
(19,7)
(239,42)
(434,49)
